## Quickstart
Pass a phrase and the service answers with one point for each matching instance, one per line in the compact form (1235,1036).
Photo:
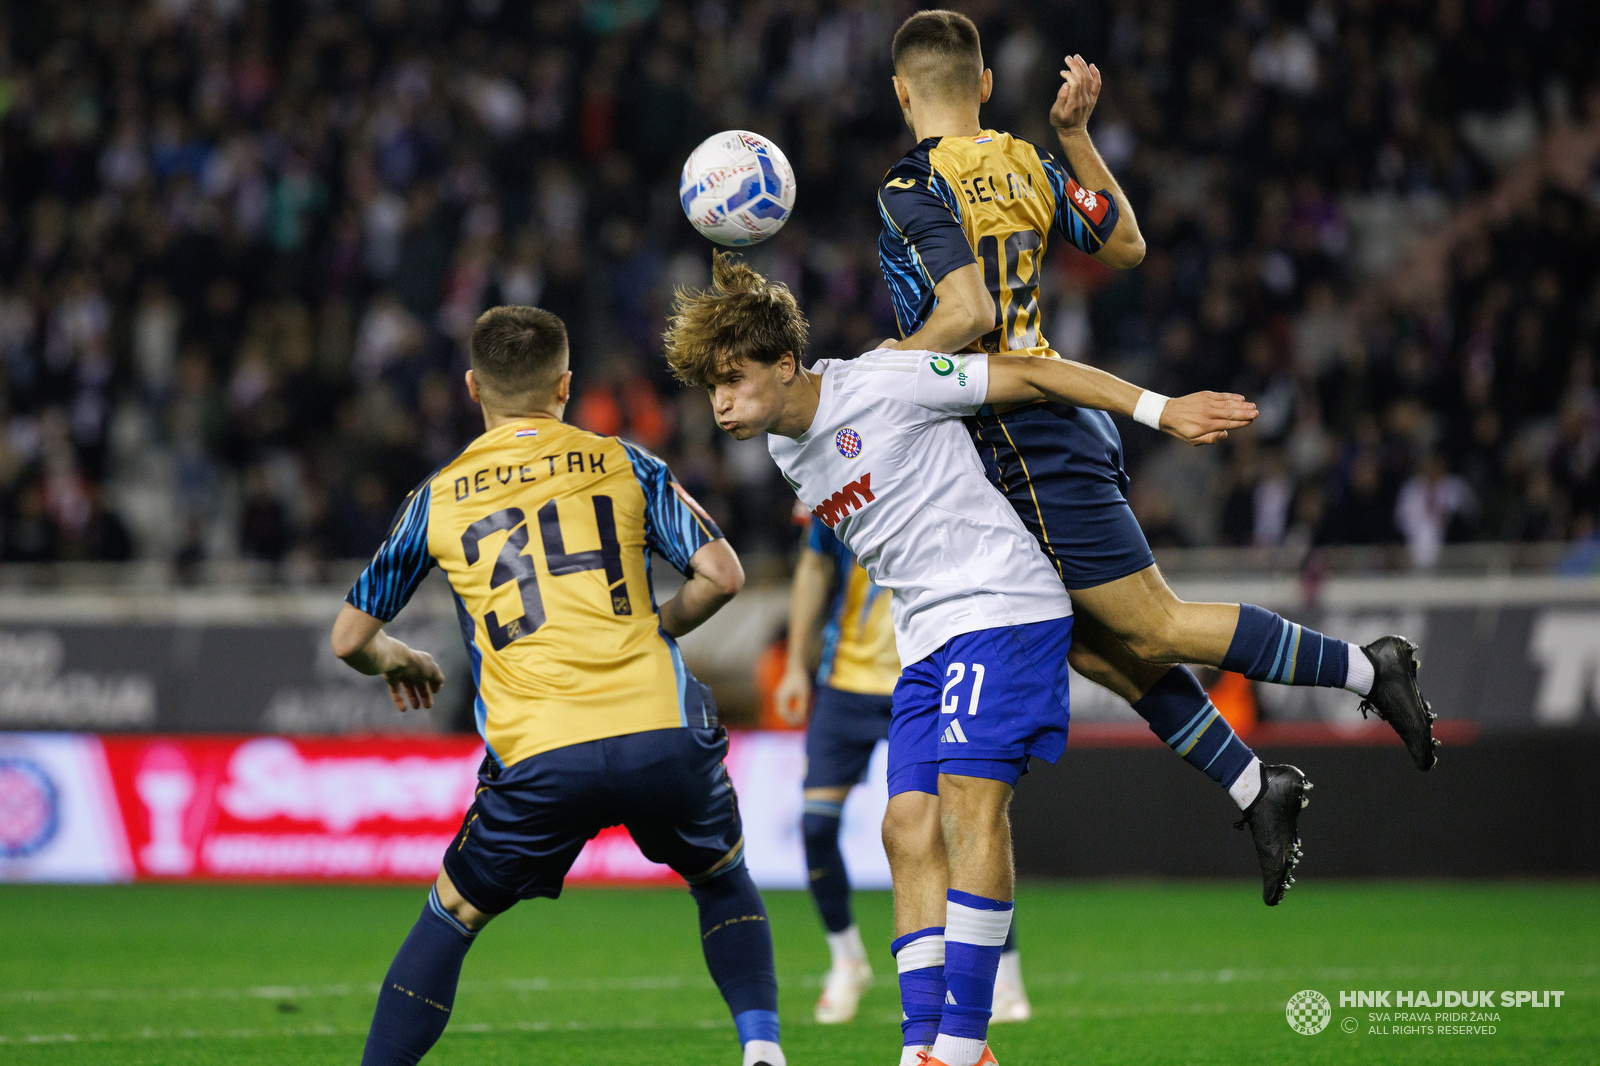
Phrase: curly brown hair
(741,316)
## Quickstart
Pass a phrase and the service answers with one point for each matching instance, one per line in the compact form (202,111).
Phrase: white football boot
(1010,998)
(842,989)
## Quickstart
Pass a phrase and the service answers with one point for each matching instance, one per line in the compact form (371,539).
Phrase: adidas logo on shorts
(953,733)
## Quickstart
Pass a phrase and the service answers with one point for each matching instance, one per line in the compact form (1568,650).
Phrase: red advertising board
(81,807)
(311,808)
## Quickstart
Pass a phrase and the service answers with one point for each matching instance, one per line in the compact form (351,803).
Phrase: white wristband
(1147,412)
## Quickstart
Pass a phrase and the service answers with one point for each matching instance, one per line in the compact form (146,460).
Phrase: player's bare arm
(1080,90)
(813,577)
(717,578)
(964,312)
(1199,418)
(413,677)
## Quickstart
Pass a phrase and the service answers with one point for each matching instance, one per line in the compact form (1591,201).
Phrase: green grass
(1118,973)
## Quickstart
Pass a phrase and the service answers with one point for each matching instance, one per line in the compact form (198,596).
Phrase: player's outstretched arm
(813,579)
(1199,418)
(716,577)
(1080,91)
(413,676)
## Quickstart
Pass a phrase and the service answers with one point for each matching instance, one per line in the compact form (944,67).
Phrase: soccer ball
(737,188)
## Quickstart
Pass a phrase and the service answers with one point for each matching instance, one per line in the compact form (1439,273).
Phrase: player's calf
(978,911)
(419,991)
(737,941)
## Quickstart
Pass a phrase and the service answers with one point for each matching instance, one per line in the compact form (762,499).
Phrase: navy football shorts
(981,706)
(529,821)
(845,727)
(1060,467)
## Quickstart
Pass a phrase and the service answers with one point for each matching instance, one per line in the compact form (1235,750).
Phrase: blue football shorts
(844,728)
(530,820)
(982,705)
(1060,467)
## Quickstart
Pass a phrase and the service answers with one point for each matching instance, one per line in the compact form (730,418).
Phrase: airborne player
(967,214)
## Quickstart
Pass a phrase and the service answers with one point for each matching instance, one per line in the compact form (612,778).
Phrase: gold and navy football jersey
(544,531)
(991,199)
(858,649)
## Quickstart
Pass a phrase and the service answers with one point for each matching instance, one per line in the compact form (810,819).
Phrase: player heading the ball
(875,449)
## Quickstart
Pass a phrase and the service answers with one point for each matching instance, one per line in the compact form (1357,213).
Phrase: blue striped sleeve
(675,525)
(923,214)
(1083,217)
(387,584)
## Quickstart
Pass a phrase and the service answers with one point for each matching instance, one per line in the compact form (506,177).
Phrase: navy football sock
(737,942)
(830,884)
(919,957)
(1267,647)
(1180,713)
(419,990)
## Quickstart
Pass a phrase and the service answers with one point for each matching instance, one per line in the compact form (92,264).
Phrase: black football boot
(1274,820)
(1396,698)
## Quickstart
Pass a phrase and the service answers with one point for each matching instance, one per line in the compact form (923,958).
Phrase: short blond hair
(741,316)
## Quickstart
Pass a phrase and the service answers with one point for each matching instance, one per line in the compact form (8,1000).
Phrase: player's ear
(902,92)
(563,387)
(788,367)
(472,387)
(985,85)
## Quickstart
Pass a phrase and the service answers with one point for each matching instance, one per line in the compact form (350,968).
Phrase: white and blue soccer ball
(737,188)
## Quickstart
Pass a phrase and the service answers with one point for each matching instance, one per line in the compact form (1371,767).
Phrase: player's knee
(975,802)
(911,826)
(456,904)
(1157,642)
(820,831)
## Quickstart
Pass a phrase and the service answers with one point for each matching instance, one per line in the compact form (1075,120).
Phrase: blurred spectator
(241,245)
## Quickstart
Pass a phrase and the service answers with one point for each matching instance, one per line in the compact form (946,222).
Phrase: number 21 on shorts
(955,673)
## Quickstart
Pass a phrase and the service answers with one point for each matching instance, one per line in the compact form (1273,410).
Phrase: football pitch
(1118,973)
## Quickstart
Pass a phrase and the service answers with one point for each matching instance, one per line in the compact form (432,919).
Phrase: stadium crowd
(241,245)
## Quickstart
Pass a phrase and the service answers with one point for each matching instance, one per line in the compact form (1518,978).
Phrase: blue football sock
(737,941)
(974,930)
(1180,713)
(919,957)
(1267,647)
(830,884)
(419,990)
(1011,937)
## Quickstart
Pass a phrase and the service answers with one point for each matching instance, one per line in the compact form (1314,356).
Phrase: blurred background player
(857,667)
(589,715)
(967,216)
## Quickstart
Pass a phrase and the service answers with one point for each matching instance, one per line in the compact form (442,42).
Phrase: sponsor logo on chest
(848,500)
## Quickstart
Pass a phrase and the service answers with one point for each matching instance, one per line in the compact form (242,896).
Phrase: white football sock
(1010,972)
(763,1051)
(1360,675)
(911,1054)
(846,947)
(958,1050)
(1247,786)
